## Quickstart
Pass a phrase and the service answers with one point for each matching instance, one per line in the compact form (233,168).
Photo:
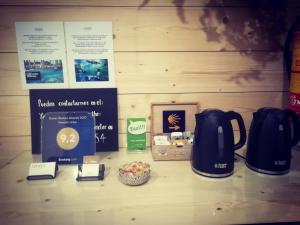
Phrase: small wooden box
(171,152)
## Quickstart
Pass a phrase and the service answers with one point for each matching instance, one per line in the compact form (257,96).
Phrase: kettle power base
(267,172)
(212,175)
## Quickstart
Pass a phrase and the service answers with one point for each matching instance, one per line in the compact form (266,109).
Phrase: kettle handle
(236,116)
(296,126)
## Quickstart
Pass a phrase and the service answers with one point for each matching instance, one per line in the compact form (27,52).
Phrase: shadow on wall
(259,28)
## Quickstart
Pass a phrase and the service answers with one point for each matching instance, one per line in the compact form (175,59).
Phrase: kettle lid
(266,110)
(211,111)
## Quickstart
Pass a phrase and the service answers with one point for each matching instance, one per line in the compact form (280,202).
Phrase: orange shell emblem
(173,119)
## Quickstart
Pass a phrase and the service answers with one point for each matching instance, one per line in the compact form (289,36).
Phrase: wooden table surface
(173,195)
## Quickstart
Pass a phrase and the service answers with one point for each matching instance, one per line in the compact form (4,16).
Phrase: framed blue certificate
(67,136)
(101,102)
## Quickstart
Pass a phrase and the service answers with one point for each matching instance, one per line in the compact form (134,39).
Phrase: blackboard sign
(102,103)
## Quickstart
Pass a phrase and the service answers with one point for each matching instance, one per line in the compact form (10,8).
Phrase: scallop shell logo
(138,127)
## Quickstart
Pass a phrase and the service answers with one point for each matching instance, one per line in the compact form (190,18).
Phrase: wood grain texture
(178,72)
(173,195)
(162,29)
(141,3)
(205,52)
(244,103)
(15,112)
(135,3)
(10,146)
(192,72)
(10,78)
(221,54)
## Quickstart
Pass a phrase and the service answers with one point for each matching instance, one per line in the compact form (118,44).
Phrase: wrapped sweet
(134,173)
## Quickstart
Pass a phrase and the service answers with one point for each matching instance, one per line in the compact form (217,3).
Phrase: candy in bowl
(134,173)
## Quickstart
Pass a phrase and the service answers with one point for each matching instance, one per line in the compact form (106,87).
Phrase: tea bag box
(171,152)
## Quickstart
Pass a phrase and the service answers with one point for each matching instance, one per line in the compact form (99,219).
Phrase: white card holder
(40,171)
(90,172)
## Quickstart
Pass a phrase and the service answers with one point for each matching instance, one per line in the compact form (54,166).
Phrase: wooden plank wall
(221,54)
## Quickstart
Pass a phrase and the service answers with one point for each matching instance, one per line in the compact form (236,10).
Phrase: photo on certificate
(65,54)
(43,71)
(91,70)
(42,55)
(90,54)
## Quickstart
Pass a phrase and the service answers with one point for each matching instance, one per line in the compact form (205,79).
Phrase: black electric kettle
(213,147)
(272,134)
